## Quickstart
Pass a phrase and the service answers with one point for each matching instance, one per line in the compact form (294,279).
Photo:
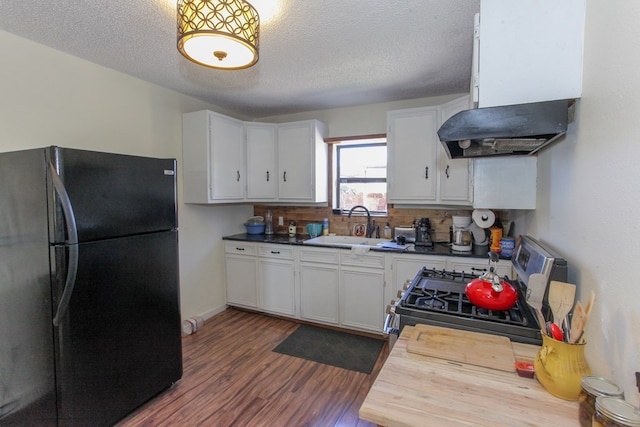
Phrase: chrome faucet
(370,228)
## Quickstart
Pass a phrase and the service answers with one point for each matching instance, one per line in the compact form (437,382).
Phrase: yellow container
(560,366)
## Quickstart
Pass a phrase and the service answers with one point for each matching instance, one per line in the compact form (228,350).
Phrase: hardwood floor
(232,378)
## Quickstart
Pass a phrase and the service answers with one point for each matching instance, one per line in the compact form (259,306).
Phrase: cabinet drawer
(240,248)
(369,260)
(275,251)
(327,256)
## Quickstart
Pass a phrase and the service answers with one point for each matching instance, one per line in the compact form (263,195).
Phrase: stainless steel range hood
(521,129)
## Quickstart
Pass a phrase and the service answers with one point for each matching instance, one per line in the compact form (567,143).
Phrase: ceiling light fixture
(220,34)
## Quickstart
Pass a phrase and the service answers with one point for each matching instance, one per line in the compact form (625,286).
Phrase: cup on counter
(314,229)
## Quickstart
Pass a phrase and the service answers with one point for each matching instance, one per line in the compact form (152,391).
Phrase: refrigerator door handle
(72,241)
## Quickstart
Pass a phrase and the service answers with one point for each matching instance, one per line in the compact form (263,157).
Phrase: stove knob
(391,308)
(406,284)
(400,294)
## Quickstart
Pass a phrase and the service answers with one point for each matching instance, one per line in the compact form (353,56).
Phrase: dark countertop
(442,249)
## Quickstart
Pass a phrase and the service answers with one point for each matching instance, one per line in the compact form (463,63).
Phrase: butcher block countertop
(416,390)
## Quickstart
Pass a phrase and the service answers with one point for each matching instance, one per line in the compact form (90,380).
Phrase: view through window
(361,177)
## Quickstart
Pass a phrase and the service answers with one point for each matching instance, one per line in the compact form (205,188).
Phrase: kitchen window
(361,175)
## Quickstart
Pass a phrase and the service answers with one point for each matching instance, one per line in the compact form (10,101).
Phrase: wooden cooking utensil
(589,306)
(561,298)
(535,290)
(578,321)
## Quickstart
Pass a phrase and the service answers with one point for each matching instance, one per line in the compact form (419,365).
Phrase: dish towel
(359,249)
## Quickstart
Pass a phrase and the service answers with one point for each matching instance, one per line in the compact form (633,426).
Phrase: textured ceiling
(314,54)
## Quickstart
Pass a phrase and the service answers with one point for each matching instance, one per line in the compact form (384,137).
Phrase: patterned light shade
(218,33)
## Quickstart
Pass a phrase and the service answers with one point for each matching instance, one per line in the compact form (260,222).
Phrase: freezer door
(27,388)
(118,343)
(112,195)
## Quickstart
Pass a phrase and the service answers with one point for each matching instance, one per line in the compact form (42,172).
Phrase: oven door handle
(387,323)
(391,323)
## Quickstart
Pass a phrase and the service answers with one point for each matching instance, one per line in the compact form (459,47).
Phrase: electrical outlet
(280,220)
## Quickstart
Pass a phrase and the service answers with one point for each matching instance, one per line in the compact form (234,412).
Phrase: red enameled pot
(491,293)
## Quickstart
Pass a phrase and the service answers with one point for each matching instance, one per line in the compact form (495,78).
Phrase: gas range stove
(437,297)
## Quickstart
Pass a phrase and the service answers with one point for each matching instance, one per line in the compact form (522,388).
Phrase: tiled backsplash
(440,219)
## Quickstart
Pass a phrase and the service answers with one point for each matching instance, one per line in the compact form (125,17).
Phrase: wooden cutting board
(489,351)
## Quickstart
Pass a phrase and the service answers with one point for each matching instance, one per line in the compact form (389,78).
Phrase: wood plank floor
(232,378)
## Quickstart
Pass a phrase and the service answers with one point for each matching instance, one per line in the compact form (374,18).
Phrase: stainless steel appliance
(423,233)
(437,297)
(462,238)
(89,313)
(521,129)
(406,234)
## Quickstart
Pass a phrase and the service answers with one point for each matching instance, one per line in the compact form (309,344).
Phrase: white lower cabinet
(405,267)
(362,299)
(319,285)
(329,286)
(362,284)
(241,266)
(276,279)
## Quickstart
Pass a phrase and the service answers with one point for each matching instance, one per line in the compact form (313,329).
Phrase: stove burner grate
(444,292)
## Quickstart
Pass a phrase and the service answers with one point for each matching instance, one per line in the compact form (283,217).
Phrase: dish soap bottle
(387,231)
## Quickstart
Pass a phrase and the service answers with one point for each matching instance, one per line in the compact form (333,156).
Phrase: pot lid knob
(491,275)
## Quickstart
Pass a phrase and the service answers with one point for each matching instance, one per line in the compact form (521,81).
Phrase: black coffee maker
(423,233)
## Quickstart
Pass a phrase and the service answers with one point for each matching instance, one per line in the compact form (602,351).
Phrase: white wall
(589,191)
(359,120)
(50,98)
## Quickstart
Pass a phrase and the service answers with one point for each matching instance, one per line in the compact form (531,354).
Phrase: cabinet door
(405,267)
(295,180)
(530,51)
(226,173)
(411,155)
(241,280)
(319,285)
(277,286)
(361,299)
(455,184)
(505,183)
(262,176)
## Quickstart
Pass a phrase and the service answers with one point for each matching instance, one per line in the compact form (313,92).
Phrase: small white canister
(192,325)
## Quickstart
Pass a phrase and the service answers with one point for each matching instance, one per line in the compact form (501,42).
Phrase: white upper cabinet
(412,147)
(529,51)
(226,160)
(302,162)
(454,175)
(505,183)
(418,168)
(213,158)
(262,172)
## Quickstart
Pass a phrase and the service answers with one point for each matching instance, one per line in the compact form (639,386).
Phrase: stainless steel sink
(346,241)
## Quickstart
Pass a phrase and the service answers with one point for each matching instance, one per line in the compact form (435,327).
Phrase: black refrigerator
(89,287)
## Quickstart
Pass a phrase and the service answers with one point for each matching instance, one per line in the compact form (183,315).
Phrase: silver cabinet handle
(446,171)
(284,176)
(238,177)
(267,176)
(426,172)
